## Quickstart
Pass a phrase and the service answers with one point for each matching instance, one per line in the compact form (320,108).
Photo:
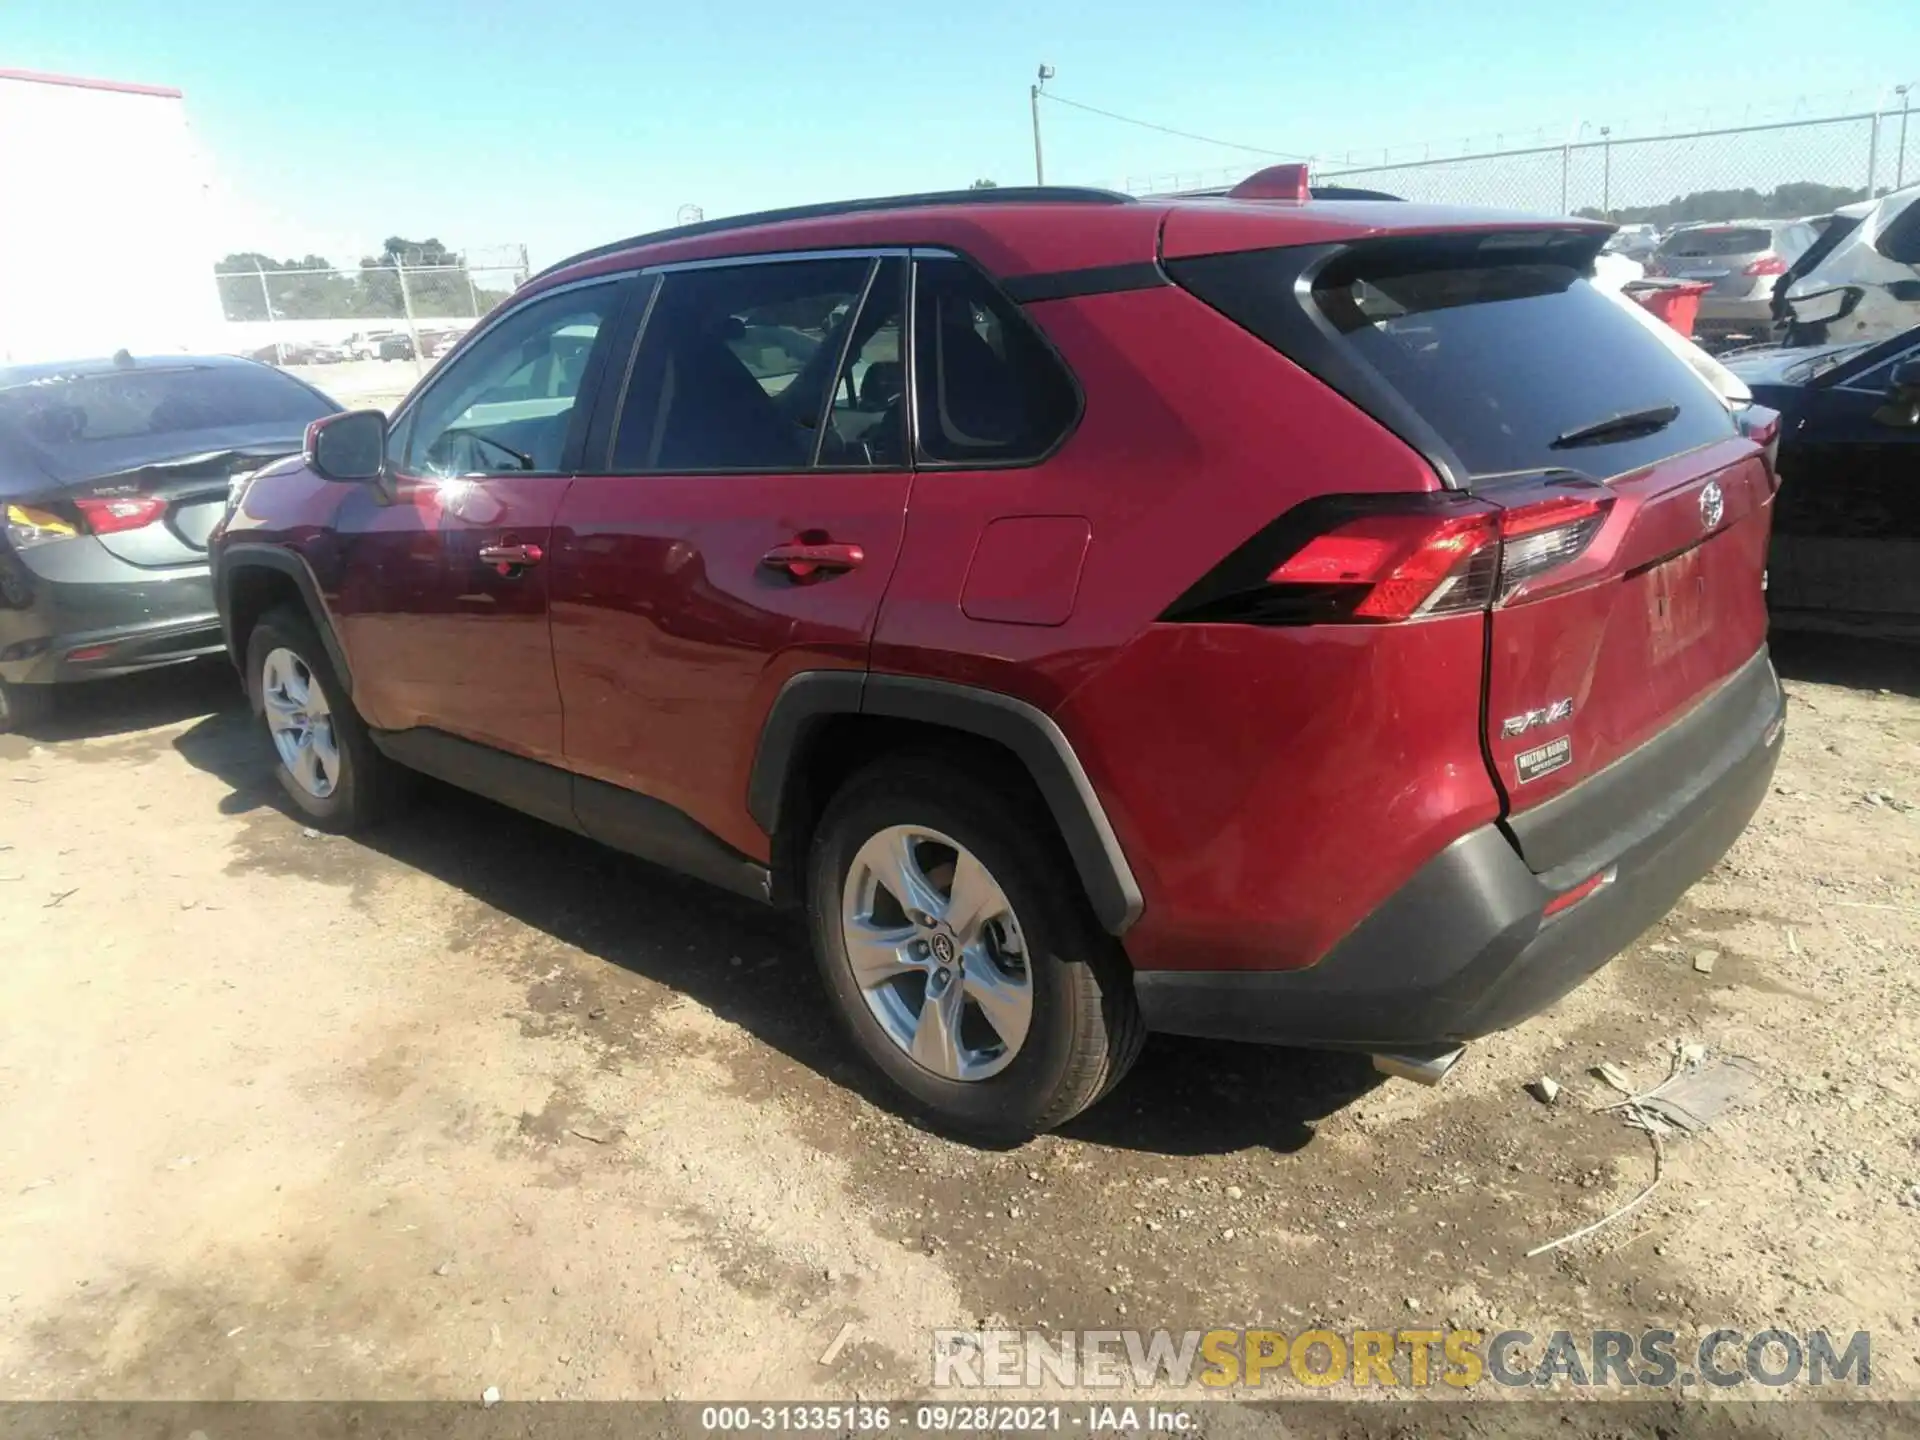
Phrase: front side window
(735,368)
(505,405)
(988,389)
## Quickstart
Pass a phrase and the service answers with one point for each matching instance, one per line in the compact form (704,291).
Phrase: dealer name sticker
(1543,759)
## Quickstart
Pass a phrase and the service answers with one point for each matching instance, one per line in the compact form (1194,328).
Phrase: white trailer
(106,229)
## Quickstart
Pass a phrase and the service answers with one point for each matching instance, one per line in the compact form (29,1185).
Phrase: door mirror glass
(351,447)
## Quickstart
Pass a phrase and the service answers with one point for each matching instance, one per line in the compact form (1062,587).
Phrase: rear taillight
(1374,560)
(29,525)
(1762,426)
(1766,265)
(111,514)
(1397,567)
(1545,535)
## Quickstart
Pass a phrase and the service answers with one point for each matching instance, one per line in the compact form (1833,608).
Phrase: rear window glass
(60,411)
(1739,241)
(1512,365)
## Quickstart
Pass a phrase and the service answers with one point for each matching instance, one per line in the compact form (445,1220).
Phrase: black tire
(24,706)
(1085,1030)
(369,787)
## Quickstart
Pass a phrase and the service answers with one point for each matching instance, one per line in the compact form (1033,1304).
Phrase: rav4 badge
(1533,719)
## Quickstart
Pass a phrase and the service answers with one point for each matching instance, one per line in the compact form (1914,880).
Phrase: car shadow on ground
(751,965)
(103,709)
(1857,662)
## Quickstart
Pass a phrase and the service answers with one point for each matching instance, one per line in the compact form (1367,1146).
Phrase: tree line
(314,288)
(1783,202)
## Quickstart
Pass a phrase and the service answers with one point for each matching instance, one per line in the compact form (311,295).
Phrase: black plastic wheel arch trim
(235,558)
(810,697)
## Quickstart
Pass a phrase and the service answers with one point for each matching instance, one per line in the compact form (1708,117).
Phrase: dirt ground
(379,384)
(476,1103)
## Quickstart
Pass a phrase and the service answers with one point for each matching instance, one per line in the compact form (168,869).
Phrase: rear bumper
(119,617)
(1465,947)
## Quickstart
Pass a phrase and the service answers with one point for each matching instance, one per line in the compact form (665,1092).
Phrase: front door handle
(803,560)
(510,559)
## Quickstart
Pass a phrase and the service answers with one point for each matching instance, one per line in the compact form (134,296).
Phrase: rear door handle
(802,560)
(509,558)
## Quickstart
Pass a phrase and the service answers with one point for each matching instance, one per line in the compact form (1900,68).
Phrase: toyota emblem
(1713,504)
(943,948)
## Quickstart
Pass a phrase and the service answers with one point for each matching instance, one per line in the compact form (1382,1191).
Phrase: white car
(365,344)
(1636,242)
(1866,284)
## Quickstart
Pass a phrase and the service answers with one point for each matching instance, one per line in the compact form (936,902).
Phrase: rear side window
(1720,240)
(735,366)
(988,389)
(1511,360)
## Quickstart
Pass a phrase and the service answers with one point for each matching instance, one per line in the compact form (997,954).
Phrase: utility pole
(1033,98)
(266,297)
(406,304)
(1606,171)
(1900,165)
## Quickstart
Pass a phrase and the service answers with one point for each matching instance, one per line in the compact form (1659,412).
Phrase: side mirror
(1906,376)
(350,447)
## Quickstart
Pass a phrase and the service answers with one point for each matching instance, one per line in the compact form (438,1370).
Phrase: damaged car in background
(1738,261)
(112,475)
(1845,553)
(1861,280)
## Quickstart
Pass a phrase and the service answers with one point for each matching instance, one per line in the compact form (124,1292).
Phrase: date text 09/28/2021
(880,1418)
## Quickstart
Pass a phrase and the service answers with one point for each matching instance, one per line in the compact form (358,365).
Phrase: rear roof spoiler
(1290,183)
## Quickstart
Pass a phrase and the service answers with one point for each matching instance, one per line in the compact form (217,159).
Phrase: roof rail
(989,195)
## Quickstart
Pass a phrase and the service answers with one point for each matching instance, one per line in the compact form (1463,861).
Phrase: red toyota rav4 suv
(1329,622)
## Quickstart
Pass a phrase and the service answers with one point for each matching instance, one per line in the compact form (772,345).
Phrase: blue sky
(563,123)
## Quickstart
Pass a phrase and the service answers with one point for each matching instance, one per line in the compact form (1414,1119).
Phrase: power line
(1169,130)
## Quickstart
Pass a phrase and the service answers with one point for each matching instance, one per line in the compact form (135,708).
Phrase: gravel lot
(478,1104)
(358,384)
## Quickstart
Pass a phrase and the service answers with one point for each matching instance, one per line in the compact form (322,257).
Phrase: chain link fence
(1770,169)
(396,308)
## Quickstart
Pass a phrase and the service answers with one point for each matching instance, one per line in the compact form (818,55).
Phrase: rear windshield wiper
(1627,425)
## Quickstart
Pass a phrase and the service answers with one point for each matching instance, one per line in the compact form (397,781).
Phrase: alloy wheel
(937,953)
(300,722)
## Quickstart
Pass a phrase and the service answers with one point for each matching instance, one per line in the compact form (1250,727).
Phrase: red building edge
(82,82)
